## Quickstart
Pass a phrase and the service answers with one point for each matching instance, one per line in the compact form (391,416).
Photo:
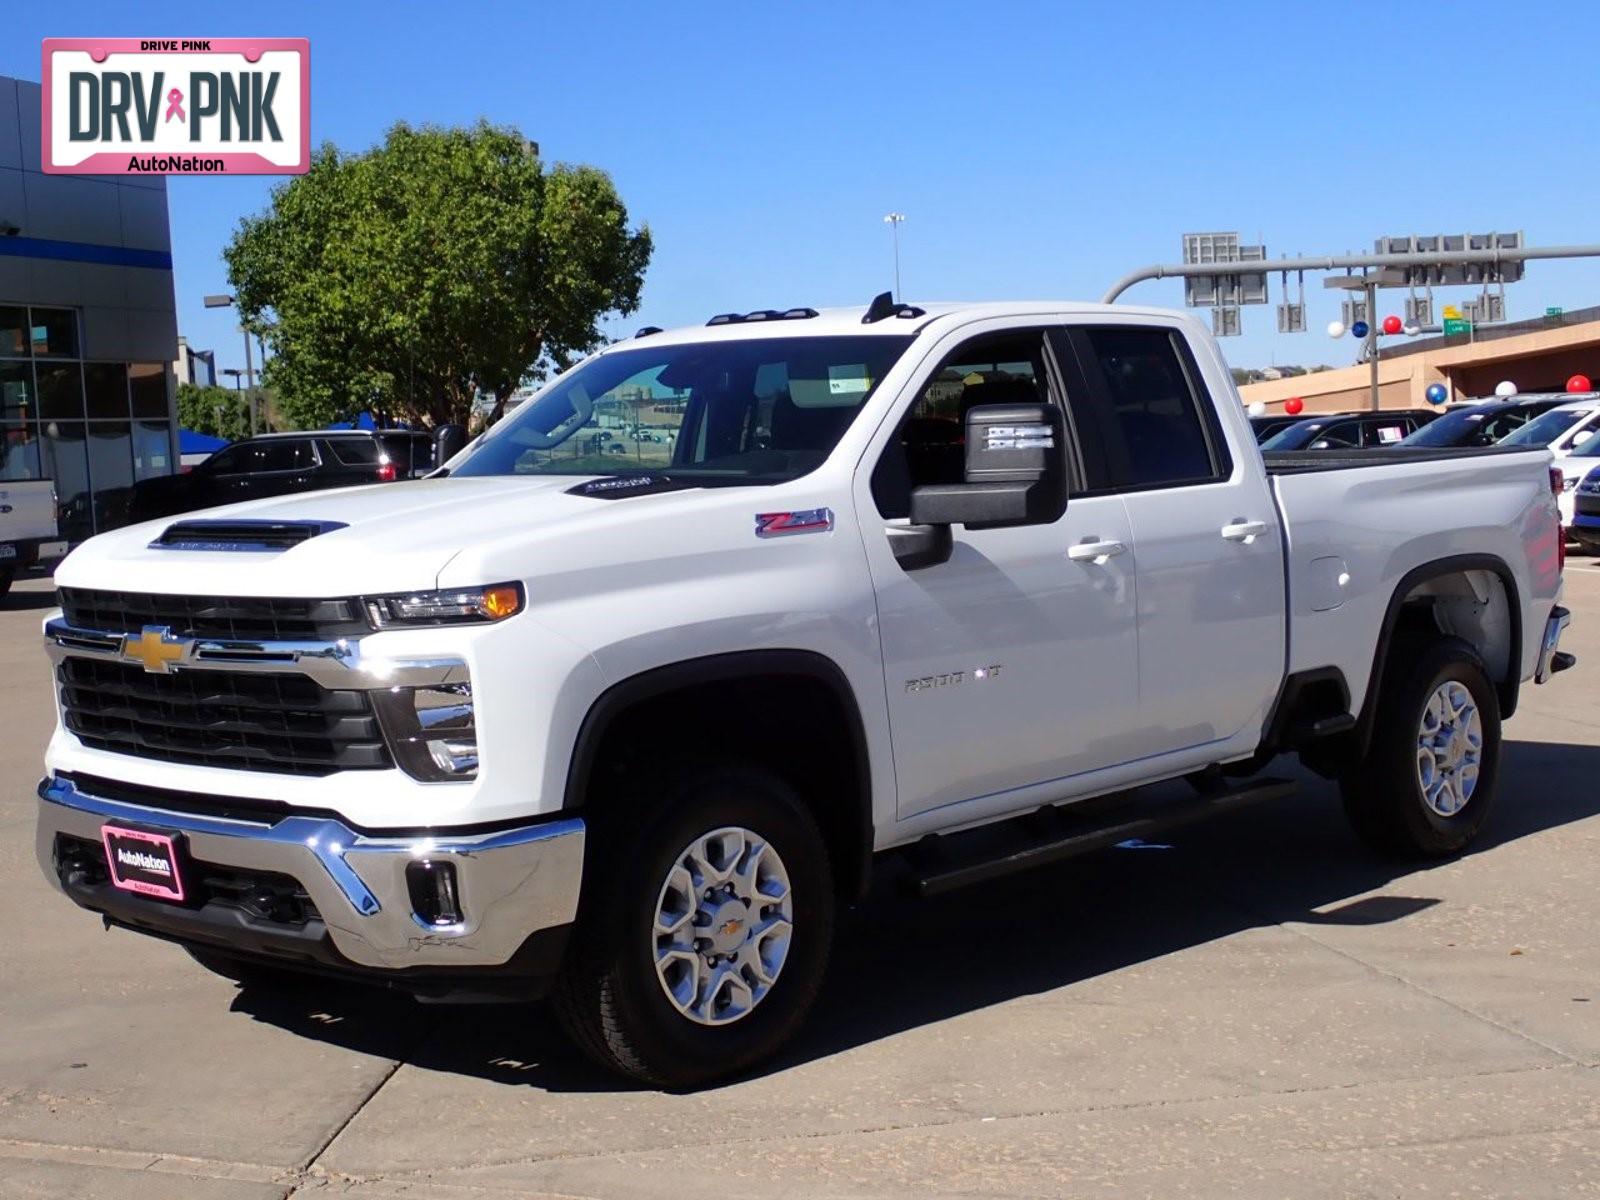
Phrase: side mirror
(1015,471)
(448,441)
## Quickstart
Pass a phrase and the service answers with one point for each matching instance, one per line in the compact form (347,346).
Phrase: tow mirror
(448,441)
(1014,471)
(1015,474)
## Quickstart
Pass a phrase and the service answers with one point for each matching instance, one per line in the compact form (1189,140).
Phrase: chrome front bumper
(1551,660)
(511,883)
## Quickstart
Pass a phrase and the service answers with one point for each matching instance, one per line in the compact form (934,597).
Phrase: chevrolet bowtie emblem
(155,648)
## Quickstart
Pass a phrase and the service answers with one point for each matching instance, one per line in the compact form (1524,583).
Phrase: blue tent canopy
(363,421)
(190,442)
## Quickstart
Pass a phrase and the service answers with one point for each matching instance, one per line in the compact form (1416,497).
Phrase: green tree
(214,410)
(442,264)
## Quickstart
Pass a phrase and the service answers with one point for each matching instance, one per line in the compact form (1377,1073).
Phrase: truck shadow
(902,963)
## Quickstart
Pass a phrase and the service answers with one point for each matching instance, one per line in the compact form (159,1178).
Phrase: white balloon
(1335,329)
(1258,409)
(1505,388)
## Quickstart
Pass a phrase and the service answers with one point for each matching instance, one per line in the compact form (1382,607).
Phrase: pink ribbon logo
(175,106)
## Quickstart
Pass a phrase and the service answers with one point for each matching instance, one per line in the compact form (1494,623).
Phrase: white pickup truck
(28,531)
(625,702)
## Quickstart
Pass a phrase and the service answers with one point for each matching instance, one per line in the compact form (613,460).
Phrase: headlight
(431,730)
(453,606)
(1570,482)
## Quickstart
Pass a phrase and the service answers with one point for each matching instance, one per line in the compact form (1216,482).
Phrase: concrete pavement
(1259,1010)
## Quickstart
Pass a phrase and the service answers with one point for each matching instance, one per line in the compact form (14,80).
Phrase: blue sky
(1038,150)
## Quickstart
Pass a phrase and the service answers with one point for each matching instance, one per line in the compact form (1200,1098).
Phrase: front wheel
(1428,781)
(707,928)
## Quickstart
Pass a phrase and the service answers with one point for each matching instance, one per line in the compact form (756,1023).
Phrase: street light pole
(1372,334)
(894,221)
(249,364)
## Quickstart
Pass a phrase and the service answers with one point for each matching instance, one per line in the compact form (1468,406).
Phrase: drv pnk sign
(177,106)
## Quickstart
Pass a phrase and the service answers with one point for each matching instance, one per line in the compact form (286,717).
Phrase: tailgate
(27,510)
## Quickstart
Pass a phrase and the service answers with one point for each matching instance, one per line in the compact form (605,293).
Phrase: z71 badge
(782,524)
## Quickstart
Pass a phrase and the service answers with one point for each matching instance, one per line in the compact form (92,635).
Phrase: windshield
(722,412)
(1545,428)
(1452,429)
(1295,437)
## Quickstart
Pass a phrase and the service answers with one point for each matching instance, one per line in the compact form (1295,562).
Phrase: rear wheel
(7,576)
(706,930)
(1428,781)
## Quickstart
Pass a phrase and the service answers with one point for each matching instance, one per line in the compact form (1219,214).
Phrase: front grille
(231,618)
(1587,505)
(246,721)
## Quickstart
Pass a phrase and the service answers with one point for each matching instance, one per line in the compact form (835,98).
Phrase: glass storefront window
(148,383)
(14,337)
(16,391)
(54,332)
(69,421)
(111,469)
(19,450)
(105,391)
(66,460)
(60,392)
(152,449)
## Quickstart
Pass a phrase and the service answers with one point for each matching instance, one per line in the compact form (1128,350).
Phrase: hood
(385,537)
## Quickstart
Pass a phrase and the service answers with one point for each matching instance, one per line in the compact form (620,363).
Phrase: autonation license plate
(7,550)
(143,862)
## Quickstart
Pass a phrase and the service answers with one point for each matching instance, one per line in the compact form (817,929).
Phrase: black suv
(278,463)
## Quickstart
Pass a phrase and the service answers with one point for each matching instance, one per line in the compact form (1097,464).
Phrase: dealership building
(88,326)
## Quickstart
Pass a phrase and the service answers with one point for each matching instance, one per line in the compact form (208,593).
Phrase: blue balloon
(1437,393)
(1359,329)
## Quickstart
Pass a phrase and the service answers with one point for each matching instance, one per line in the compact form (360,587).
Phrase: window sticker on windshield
(848,379)
(1389,433)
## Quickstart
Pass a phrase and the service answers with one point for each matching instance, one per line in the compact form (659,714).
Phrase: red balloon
(1579,383)
(1392,324)
(1293,405)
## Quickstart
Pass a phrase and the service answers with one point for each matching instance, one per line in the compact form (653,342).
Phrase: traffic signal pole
(1340,262)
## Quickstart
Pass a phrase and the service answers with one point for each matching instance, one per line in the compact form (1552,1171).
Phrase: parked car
(1578,454)
(29,533)
(1382,428)
(970,566)
(1562,429)
(1481,424)
(275,464)
(1582,502)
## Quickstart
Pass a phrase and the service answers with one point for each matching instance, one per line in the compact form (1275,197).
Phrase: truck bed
(1353,530)
(1307,462)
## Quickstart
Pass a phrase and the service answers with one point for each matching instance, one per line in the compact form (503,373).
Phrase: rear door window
(287,454)
(1144,389)
(354,452)
(1386,433)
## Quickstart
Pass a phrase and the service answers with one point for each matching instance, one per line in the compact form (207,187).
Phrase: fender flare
(1507,689)
(725,668)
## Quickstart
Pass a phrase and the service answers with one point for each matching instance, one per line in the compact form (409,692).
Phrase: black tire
(1383,795)
(8,575)
(610,1000)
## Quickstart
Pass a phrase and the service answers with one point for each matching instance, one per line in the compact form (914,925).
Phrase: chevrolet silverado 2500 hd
(628,728)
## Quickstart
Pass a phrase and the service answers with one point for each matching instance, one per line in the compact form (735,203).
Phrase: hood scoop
(235,536)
